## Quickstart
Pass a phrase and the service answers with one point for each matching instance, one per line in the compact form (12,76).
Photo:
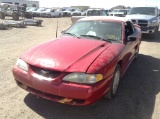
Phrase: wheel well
(136,47)
(120,63)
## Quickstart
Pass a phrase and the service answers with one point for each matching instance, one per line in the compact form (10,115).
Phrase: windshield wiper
(71,34)
(97,37)
(114,40)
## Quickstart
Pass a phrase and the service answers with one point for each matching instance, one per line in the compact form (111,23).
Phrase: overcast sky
(98,3)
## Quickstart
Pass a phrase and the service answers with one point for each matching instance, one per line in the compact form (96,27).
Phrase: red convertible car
(84,64)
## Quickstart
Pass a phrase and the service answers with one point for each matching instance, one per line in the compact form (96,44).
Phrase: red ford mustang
(84,64)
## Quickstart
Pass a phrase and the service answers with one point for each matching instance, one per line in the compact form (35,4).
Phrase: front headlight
(83,78)
(153,23)
(21,64)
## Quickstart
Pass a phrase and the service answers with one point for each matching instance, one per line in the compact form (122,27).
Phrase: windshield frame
(119,39)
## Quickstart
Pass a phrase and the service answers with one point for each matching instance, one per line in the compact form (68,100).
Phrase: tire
(60,15)
(38,24)
(154,35)
(136,55)
(50,16)
(69,15)
(15,16)
(2,16)
(28,16)
(114,84)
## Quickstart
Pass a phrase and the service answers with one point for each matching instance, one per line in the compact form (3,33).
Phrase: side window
(104,13)
(132,27)
(52,10)
(156,11)
(129,28)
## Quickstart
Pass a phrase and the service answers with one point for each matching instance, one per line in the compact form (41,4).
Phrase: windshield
(96,13)
(104,29)
(143,10)
(122,10)
(40,9)
(115,11)
(33,9)
(48,10)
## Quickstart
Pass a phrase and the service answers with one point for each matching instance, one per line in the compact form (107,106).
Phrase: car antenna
(57,23)
(57,28)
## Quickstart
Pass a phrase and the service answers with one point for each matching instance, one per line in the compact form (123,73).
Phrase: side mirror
(131,38)
(63,31)
(136,25)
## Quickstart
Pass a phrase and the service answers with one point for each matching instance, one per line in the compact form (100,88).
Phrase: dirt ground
(138,95)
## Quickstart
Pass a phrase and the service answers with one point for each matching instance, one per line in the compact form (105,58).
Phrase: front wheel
(114,84)
(2,15)
(154,35)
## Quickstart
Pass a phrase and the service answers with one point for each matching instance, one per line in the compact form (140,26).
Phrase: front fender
(107,60)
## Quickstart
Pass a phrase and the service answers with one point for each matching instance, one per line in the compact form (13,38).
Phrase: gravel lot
(138,95)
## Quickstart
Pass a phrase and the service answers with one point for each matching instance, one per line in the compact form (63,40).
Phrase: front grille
(142,23)
(45,72)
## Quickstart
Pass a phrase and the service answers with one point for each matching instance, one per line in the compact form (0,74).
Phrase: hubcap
(116,81)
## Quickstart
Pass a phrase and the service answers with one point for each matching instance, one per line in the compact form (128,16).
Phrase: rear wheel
(15,16)
(2,15)
(60,15)
(49,16)
(114,84)
(39,24)
(28,15)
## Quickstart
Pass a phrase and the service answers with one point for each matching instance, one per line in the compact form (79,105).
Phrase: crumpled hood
(65,54)
(140,17)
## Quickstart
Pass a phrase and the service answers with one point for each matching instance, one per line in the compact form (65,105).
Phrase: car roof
(144,6)
(95,9)
(105,18)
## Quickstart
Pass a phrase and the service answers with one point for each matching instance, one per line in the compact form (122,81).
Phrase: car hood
(65,54)
(45,12)
(112,12)
(76,11)
(36,12)
(119,13)
(67,11)
(140,17)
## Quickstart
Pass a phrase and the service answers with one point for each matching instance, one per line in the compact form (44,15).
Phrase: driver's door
(130,46)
